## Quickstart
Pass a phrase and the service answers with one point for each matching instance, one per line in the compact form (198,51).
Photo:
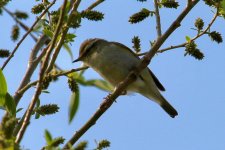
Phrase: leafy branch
(41,76)
(205,31)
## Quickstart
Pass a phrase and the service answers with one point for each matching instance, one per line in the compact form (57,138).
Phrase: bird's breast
(113,65)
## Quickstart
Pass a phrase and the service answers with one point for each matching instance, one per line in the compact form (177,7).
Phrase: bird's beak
(76,60)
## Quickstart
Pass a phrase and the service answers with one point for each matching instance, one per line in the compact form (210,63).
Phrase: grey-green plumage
(113,61)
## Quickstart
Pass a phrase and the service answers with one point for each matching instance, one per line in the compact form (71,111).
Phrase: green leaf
(69,38)
(101,84)
(222,10)
(48,137)
(38,103)
(18,110)
(68,49)
(37,116)
(188,39)
(48,32)
(45,91)
(3,88)
(10,104)
(68,6)
(78,77)
(223,5)
(74,103)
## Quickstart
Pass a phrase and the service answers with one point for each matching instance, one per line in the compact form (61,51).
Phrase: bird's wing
(156,80)
(127,48)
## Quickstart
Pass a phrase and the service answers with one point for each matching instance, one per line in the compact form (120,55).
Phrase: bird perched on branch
(113,61)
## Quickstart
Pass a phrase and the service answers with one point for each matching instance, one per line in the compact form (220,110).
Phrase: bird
(113,61)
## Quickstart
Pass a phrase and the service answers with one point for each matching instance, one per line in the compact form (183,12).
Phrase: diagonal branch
(27,33)
(32,65)
(63,35)
(26,28)
(131,77)
(41,75)
(96,3)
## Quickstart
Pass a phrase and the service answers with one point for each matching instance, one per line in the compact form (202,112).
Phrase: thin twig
(165,49)
(96,3)
(26,28)
(193,39)
(157,16)
(27,33)
(41,76)
(131,77)
(171,47)
(64,73)
(209,25)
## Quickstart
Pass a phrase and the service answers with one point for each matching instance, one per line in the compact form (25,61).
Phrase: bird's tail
(167,107)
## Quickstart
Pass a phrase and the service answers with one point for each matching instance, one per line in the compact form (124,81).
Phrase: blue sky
(195,88)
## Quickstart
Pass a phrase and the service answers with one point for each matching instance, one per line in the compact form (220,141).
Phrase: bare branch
(32,65)
(131,77)
(96,3)
(157,16)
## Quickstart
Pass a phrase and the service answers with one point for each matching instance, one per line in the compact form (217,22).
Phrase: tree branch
(131,77)
(41,76)
(27,33)
(32,65)
(54,76)
(23,90)
(193,39)
(157,16)
(96,3)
